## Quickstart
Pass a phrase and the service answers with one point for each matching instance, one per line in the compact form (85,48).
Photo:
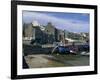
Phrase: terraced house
(42,34)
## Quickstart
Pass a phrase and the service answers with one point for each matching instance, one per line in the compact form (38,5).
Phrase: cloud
(64,24)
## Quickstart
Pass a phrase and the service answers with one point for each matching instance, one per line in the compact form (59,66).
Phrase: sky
(73,22)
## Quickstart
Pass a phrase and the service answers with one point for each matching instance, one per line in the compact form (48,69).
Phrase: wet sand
(54,60)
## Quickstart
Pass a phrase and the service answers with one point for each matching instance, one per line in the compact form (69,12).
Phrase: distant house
(27,31)
(61,36)
(50,31)
(37,34)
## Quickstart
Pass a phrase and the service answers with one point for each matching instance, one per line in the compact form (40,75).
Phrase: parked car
(73,49)
(83,47)
(85,53)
